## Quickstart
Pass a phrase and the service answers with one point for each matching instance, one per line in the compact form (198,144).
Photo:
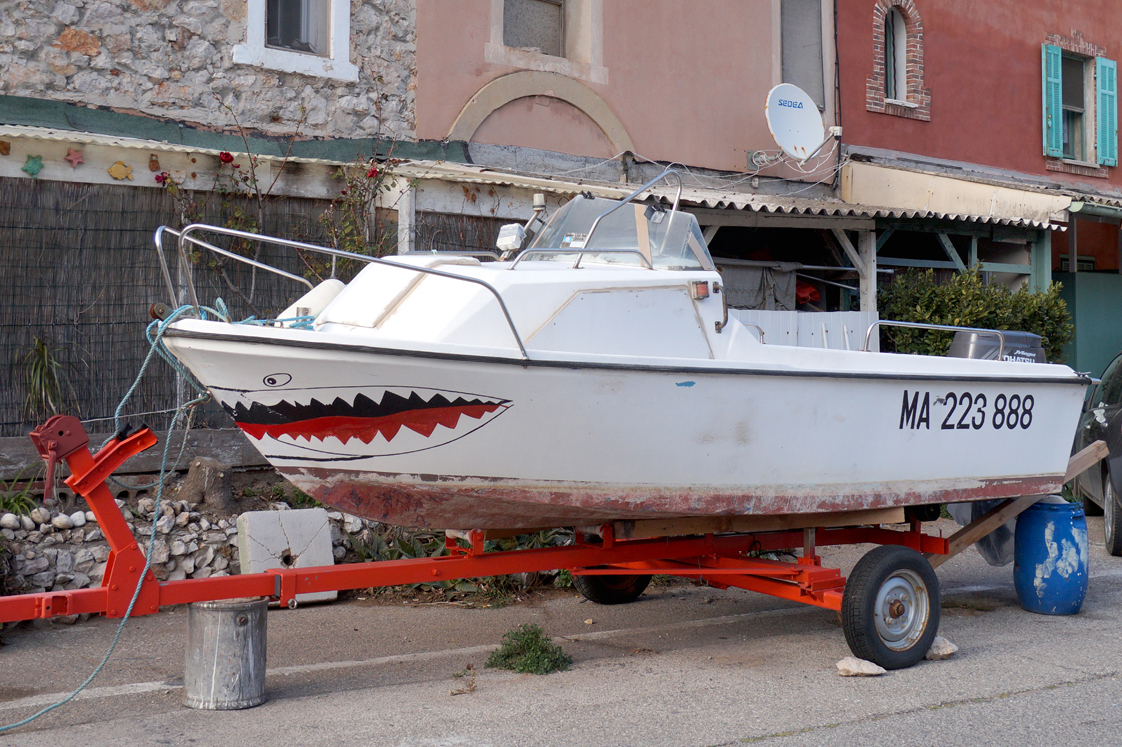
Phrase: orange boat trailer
(889,606)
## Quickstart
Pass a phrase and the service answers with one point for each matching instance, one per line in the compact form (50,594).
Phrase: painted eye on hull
(276,379)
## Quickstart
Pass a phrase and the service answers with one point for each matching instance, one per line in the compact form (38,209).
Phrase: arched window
(896,83)
(895,56)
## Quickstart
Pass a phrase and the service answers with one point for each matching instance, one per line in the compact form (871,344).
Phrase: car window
(1110,391)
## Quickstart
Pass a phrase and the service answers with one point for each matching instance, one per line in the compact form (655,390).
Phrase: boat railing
(185,239)
(940,327)
(580,255)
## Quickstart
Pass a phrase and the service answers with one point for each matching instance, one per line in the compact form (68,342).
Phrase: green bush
(966,301)
(528,650)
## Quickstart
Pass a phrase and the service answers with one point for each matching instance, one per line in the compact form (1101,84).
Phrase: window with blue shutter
(1106,89)
(1053,101)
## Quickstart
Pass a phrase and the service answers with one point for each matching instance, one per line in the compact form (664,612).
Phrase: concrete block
(286,539)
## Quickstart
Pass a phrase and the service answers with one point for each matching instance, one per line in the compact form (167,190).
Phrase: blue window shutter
(1053,102)
(1106,85)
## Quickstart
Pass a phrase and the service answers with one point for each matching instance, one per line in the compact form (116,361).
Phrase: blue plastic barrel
(1050,558)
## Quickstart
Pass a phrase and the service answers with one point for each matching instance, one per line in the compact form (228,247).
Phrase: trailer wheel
(611,589)
(890,608)
(1112,517)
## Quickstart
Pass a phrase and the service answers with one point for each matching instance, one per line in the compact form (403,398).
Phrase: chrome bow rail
(185,239)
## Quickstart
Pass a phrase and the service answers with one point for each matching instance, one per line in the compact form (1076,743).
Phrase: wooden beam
(850,251)
(710,232)
(1085,459)
(1013,507)
(753,219)
(952,253)
(982,526)
(867,249)
(884,236)
(647,528)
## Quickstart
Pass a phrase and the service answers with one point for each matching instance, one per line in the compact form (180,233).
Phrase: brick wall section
(173,59)
(918,96)
(1076,44)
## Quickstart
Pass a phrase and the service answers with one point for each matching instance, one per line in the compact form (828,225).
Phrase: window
(299,25)
(536,25)
(311,37)
(1080,107)
(895,56)
(896,84)
(556,36)
(801,42)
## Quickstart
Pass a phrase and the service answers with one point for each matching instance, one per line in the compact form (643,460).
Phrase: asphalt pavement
(684,665)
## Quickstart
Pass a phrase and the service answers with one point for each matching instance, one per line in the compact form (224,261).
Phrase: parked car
(1100,487)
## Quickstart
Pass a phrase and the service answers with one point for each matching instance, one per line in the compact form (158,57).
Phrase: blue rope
(157,346)
(154,334)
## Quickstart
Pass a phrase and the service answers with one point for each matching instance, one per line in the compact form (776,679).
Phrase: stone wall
(54,550)
(174,59)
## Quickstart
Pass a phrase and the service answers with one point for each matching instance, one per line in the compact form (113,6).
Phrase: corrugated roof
(715,199)
(712,198)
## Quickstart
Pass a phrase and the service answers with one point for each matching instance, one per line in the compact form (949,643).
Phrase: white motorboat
(598,377)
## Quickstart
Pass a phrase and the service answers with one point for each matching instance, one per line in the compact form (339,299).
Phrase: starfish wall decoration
(74,156)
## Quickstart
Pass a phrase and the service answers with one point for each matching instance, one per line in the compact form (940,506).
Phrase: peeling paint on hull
(447,503)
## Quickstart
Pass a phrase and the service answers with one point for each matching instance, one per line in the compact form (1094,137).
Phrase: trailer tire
(890,608)
(611,589)
(1112,517)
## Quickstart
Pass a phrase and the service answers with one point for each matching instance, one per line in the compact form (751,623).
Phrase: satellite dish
(794,121)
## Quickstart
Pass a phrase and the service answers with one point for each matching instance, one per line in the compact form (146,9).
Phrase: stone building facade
(175,59)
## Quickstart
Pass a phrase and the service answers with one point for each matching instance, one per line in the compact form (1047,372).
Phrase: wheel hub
(901,610)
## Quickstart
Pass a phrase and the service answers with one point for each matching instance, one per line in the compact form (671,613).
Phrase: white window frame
(336,65)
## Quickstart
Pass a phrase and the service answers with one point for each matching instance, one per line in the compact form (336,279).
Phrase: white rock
(100,553)
(8,534)
(205,556)
(187,565)
(851,666)
(202,573)
(164,524)
(64,563)
(160,552)
(94,535)
(83,559)
(941,649)
(339,552)
(353,524)
(27,523)
(146,505)
(40,515)
(62,521)
(204,525)
(78,518)
(178,548)
(91,517)
(177,575)
(10,521)
(182,519)
(220,563)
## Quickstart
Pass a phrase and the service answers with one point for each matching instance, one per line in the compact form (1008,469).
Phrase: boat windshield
(669,239)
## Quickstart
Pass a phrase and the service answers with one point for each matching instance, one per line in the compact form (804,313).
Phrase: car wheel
(1112,517)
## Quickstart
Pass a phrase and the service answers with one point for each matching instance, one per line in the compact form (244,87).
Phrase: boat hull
(444,440)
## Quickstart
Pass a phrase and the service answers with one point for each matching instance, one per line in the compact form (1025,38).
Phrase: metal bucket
(226,641)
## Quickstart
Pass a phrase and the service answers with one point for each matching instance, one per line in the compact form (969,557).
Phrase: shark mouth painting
(385,420)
